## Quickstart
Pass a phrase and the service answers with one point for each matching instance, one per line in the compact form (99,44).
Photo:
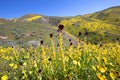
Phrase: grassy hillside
(111,15)
(24,33)
(96,31)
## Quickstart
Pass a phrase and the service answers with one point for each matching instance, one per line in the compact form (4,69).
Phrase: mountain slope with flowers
(110,15)
(95,31)
(29,33)
(32,28)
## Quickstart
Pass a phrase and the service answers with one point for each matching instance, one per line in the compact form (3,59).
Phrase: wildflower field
(85,61)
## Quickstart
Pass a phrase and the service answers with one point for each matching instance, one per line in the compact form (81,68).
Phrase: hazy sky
(17,8)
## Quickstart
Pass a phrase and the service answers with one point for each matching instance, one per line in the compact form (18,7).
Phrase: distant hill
(2,20)
(111,14)
(42,19)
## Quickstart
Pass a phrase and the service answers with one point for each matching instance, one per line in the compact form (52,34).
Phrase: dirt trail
(69,36)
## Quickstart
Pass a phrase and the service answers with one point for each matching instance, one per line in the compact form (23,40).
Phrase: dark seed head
(39,71)
(86,33)
(117,63)
(51,35)
(49,59)
(12,46)
(100,45)
(117,73)
(117,38)
(71,44)
(108,72)
(79,34)
(27,50)
(21,64)
(41,42)
(22,74)
(69,40)
(61,27)
(57,44)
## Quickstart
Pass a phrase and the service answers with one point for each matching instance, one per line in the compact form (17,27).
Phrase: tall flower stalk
(60,29)
(53,46)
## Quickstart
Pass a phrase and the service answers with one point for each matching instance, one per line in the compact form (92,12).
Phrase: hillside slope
(26,33)
(95,31)
(111,15)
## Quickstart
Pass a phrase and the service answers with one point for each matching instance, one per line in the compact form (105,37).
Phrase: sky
(17,8)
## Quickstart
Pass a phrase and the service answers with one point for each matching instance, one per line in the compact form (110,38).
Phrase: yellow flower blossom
(93,68)
(100,76)
(105,59)
(2,51)
(66,58)
(24,63)
(111,64)
(30,72)
(11,64)
(4,77)
(14,66)
(78,64)
(74,62)
(112,75)
(102,69)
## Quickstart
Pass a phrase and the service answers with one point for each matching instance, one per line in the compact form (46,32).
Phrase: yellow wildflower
(111,64)
(11,64)
(105,60)
(35,64)
(100,76)
(74,62)
(14,66)
(4,77)
(101,69)
(78,64)
(112,75)
(30,72)
(2,51)
(66,58)
(24,63)
(93,68)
